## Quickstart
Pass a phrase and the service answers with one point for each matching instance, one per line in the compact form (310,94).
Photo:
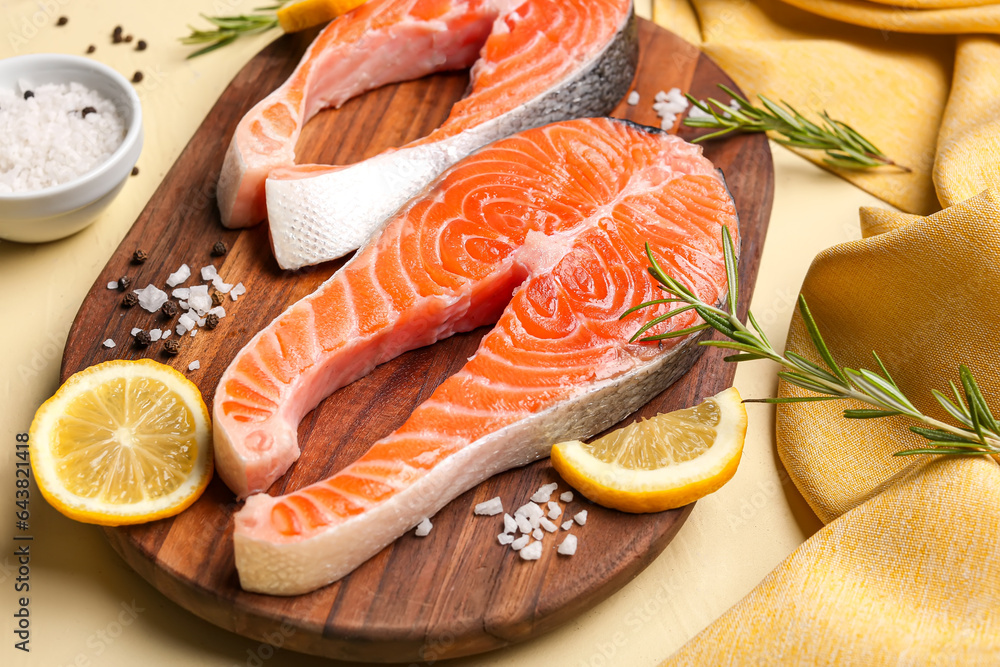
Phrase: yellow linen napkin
(907,569)
(929,101)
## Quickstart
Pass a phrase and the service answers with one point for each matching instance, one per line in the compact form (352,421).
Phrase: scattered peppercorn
(219,249)
(124,282)
(28,94)
(140,45)
(91,48)
(139,256)
(172,346)
(137,77)
(87,110)
(116,34)
(135,171)
(169,309)
(217,298)
(130,300)
(128,38)
(62,20)
(142,339)
(211,320)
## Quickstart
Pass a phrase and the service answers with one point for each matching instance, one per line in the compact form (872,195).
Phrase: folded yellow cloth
(908,569)
(929,101)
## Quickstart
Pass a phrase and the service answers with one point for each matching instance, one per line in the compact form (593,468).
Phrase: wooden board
(455,592)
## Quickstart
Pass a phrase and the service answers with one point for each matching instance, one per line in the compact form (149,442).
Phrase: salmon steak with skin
(533,62)
(543,233)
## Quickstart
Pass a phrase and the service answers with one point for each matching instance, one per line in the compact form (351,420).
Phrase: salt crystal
(186,321)
(221,286)
(194,365)
(568,546)
(543,494)
(548,525)
(199,300)
(113,284)
(183,304)
(566,497)
(208,272)
(509,524)
(155,335)
(237,291)
(505,538)
(580,517)
(423,528)
(218,311)
(633,98)
(136,330)
(522,523)
(660,96)
(109,343)
(567,524)
(181,292)
(151,298)
(490,507)
(537,533)
(201,321)
(532,552)
(181,329)
(193,333)
(166,334)
(529,510)
(179,276)
(520,543)
(554,510)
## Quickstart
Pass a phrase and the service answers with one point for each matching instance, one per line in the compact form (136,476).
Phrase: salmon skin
(534,63)
(543,233)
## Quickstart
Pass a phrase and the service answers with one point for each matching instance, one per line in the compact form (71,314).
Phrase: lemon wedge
(307,13)
(122,442)
(661,463)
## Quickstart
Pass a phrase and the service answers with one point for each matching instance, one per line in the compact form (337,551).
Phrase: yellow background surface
(88,607)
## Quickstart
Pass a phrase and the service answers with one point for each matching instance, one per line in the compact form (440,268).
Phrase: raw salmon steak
(543,233)
(534,63)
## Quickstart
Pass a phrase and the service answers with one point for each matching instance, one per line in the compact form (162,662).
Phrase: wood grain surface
(456,592)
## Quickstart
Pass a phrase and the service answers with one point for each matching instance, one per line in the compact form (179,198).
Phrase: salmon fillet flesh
(543,233)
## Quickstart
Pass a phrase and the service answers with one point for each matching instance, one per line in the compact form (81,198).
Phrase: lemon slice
(660,463)
(307,13)
(122,442)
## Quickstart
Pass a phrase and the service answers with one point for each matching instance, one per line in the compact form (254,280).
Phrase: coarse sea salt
(209,272)
(135,330)
(532,552)
(491,507)
(548,525)
(520,542)
(554,510)
(633,98)
(199,300)
(194,365)
(543,494)
(181,293)
(566,497)
(237,291)
(179,276)
(151,298)
(668,105)
(505,538)
(47,139)
(566,525)
(109,343)
(113,284)
(220,285)
(218,311)
(580,517)
(423,528)
(166,334)
(523,524)
(537,533)
(155,335)
(509,524)
(568,546)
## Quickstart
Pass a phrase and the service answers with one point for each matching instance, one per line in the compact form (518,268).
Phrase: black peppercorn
(130,299)
(91,48)
(127,39)
(28,94)
(140,45)
(142,339)
(137,77)
(217,298)
(219,249)
(169,309)
(124,282)
(135,171)
(172,346)
(87,110)
(116,35)
(211,321)
(62,20)
(139,256)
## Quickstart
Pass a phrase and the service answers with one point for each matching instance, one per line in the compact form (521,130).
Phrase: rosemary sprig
(230,28)
(843,145)
(978,433)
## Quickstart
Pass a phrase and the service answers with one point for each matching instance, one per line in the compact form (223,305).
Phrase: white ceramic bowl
(61,210)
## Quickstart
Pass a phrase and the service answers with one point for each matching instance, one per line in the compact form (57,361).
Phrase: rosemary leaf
(869,414)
